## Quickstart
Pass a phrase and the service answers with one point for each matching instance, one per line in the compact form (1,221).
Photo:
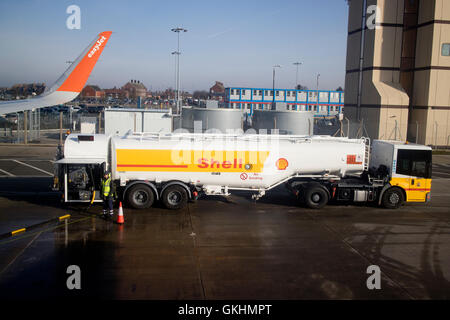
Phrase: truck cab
(409,169)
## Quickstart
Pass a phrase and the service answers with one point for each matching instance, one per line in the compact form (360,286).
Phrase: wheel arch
(147,183)
(317,184)
(389,186)
(179,183)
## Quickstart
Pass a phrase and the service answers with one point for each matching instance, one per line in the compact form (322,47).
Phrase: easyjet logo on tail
(96,46)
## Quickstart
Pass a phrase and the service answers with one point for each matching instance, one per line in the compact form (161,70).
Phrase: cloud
(217,34)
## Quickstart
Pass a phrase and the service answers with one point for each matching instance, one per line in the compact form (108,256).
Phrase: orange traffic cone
(120,219)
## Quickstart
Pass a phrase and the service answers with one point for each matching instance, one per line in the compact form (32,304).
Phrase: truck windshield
(415,163)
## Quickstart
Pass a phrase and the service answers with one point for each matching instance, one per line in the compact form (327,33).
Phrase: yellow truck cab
(409,169)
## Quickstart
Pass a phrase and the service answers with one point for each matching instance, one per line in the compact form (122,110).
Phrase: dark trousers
(107,203)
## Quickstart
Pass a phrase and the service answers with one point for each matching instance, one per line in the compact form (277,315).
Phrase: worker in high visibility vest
(108,192)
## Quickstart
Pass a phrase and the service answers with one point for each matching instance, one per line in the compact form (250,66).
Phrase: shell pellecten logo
(282,164)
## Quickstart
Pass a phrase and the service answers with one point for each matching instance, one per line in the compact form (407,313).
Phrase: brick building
(135,89)
(91,91)
(217,91)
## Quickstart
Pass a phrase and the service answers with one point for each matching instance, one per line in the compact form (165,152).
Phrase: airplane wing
(69,84)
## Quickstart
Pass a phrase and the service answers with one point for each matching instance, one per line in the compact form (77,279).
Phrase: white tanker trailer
(176,168)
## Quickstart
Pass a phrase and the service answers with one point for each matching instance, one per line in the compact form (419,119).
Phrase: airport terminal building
(398,70)
(326,103)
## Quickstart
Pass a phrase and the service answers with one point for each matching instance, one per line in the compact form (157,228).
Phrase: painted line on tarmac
(25,176)
(7,173)
(28,234)
(22,230)
(438,172)
(20,253)
(26,159)
(33,167)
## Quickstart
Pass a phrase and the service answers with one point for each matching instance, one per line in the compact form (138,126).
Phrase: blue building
(323,102)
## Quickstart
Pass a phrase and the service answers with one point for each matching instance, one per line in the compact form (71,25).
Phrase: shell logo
(282,164)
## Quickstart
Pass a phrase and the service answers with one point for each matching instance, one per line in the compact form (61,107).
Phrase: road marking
(438,172)
(33,167)
(7,173)
(440,166)
(28,160)
(20,253)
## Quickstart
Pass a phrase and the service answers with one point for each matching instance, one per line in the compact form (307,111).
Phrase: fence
(50,127)
(44,127)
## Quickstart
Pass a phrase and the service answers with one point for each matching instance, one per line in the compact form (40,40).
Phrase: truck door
(416,165)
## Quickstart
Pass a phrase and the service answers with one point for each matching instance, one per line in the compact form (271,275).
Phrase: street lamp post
(178,30)
(297,64)
(273,85)
(318,76)
(177,53)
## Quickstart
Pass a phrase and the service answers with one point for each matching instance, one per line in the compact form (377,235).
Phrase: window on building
(243,92)
(277,93)
(260,92)
(260,106)
(255,92)
(271,93)
(232,91)
(446,49)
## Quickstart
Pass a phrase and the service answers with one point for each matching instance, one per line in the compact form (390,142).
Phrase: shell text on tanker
(205,163)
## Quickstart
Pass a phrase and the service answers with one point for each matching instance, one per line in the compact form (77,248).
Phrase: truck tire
(392,198)
(174,197)
(315,197)
(140,196)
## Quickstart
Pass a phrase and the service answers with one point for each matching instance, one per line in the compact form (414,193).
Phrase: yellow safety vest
(106,186)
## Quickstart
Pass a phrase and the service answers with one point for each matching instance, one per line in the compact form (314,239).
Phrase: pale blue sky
(236,42)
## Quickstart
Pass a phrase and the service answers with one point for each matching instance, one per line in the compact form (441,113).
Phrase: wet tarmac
(220,248)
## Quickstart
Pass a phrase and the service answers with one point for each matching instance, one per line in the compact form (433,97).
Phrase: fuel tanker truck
(175,168)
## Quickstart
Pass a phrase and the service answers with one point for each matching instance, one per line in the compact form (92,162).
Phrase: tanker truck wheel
(316,197)
(174,197)
(140,196)
(392,198)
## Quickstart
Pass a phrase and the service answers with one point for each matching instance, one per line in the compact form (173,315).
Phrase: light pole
(178,30)
(176,78)
(297,64)
(318,76)
(273,85)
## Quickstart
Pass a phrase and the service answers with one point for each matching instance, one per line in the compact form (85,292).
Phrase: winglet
(75,77)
